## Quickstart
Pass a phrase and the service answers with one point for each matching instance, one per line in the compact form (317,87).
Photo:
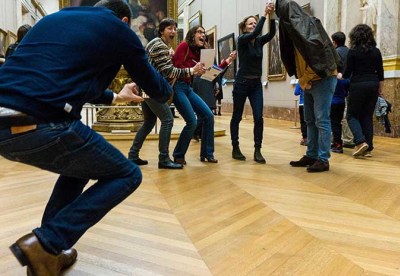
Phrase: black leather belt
(18,120)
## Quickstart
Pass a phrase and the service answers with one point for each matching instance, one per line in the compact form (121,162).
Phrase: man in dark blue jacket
(67,59)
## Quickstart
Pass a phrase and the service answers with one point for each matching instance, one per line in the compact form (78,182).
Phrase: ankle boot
(29,252)
(237,154)
(258,156)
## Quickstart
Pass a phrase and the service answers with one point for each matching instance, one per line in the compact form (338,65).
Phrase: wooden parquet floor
(231,218)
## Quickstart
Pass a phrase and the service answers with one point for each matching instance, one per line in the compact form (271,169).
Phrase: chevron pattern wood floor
(231,218)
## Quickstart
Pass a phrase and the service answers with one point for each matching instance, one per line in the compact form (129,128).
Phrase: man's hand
(129,94)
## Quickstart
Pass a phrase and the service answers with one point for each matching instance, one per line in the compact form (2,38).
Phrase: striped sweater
(160,58)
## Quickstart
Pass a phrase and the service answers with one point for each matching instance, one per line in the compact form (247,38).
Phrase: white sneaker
(367,153)
(360,149)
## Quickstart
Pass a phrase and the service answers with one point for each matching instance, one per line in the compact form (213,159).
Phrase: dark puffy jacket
(306,33)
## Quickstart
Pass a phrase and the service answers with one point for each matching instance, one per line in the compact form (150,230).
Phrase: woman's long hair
(361,36)
(22,31)
(190,35)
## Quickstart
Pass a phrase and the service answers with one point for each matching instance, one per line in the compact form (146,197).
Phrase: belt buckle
(22,129)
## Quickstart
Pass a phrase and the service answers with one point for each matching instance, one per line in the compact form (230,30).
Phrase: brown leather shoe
(29,252)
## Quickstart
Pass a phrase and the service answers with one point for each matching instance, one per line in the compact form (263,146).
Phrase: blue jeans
(78,154)
(243,89)
(317,108)
(360,110)
(151,110)
(189,104)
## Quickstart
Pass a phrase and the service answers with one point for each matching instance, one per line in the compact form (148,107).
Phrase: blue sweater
(299,92)
(69,58)
(341,91)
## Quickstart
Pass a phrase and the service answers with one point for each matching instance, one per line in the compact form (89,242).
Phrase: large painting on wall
(195,20)
(146,14)
(211,37)
(225,46)
(3,42)
(276,69)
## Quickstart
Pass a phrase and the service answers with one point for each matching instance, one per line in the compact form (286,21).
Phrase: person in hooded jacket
(308,53)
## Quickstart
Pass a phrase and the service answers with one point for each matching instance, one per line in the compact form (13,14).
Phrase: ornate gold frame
(212,34)
(172,10)
(192,19)
(3,47)
(11,38)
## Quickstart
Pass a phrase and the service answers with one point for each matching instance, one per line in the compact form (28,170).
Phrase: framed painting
(146,14)
(194,20)
(211,35)
(226,45)
(3,42)
(11,38)
(276,69)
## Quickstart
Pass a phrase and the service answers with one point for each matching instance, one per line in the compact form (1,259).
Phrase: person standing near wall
(303,126)
(339,40)
(22,31)
(365,67)
(314,64)
(248,81)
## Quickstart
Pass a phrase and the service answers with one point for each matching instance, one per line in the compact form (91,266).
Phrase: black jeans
(337,111)
(303,125)
(360,110)
(243,89)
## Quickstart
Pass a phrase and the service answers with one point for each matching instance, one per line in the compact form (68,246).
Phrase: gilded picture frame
(3,42)
(194,20)
(146,16)
(276,69)
(212,37)
(11,38)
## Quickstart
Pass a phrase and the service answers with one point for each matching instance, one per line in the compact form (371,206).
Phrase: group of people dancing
(47,80)
(322,113)
(179,67)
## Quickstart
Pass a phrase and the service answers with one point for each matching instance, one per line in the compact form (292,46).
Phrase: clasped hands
(269,8)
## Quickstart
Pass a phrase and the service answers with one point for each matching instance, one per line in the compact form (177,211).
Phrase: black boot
(168,164)
(237,154)
(258,156)
(164,162)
